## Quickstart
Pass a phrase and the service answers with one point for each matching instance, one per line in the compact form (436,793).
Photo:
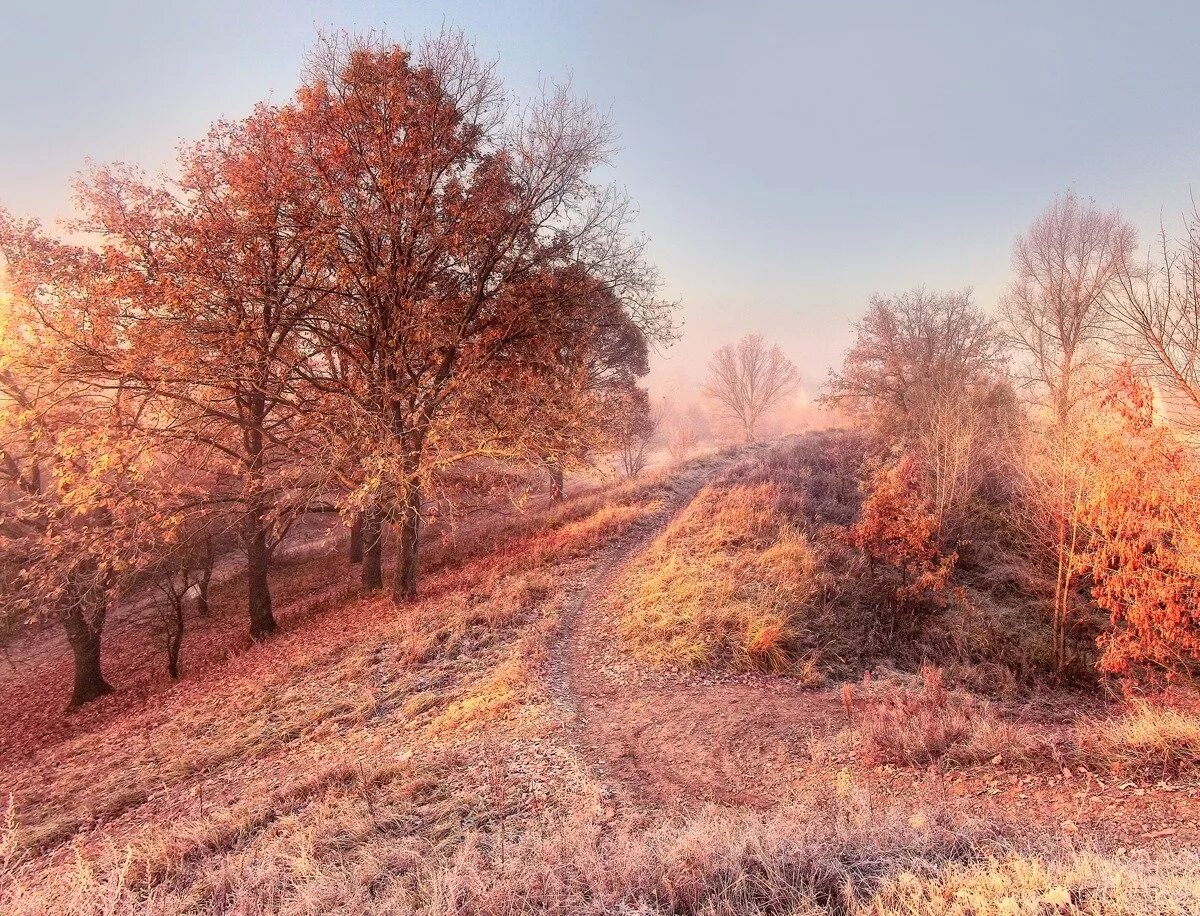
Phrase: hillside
(523,738)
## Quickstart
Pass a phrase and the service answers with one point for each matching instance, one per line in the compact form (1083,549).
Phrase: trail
(674,737)
(658,739)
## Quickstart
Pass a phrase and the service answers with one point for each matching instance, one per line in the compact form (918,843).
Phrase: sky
(789,159)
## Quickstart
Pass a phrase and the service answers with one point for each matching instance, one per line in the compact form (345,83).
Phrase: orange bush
(898,533)
(1144,552)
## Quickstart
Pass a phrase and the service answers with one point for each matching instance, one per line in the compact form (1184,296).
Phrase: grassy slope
(384,760)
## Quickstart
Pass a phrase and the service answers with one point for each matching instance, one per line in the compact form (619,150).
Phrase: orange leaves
(1143,513)
(899,533)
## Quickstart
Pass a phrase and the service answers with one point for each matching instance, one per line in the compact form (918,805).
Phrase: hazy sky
(789,159)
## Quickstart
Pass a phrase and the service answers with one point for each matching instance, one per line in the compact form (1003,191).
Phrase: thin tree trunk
(372,543)
(175,637)
(206,571)
(258,563)
(556,483)
(356,538)
(404,584)
(84,637)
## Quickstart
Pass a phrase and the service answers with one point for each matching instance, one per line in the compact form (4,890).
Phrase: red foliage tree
(447,217)
(86,499)
(1143,512)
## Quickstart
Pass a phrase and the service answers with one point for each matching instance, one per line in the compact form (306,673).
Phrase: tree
(1158,305)
(573,403)
(926,371)
(637,425)
(682,441)
(1066,265)
(220,271)
(86,501)
(446,217)
(909,347)
(1052,477)
(1143,553)
(748,380)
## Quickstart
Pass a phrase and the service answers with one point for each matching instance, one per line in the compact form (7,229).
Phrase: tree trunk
(258,563)
(84,637)
(356,538)
(404,584)
(206,571)
(556,483)
(372,545)
(175,639)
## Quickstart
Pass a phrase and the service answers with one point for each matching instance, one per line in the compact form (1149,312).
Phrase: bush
(923,726)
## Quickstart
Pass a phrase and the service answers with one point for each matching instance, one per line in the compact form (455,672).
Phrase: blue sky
(790,159)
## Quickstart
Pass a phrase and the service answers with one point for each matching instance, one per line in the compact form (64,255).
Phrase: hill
(645,700)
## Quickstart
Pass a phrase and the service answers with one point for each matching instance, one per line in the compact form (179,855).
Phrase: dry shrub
(1147,737)
(729,582)
(925,725)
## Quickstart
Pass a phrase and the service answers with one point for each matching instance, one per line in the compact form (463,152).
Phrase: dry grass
(1146,738)
(729,582)
(930,724)
(368,840)
(322,746)
(382,760)
(850,861)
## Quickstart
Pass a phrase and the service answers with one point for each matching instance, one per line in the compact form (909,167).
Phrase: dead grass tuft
(1147,737)
(929,724)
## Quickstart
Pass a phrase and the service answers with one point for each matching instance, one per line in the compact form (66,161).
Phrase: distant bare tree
(1159,306)
(1066,265)
(637,430)
(682,442)
(747,380)
(927,370)
(907,349)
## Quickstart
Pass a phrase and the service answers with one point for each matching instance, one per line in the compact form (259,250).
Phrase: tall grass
(729,582)
(1147,737)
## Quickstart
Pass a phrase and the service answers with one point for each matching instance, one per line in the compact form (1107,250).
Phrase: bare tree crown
(747,380)
(1066,265)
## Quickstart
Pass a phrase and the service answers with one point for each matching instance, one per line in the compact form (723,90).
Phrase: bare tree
(638,428)
(1066,267)
(682,441)
(1067,263)
(747,380)
(909,347)
(927,370)
(1158,304)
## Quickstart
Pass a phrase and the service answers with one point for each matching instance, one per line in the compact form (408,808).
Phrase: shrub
(923,726)
(898,533)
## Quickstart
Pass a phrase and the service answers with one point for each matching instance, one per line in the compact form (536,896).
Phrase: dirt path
(671,737)
(678,739)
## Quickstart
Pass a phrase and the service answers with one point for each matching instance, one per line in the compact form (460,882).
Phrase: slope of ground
(494,748)
(699,724)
